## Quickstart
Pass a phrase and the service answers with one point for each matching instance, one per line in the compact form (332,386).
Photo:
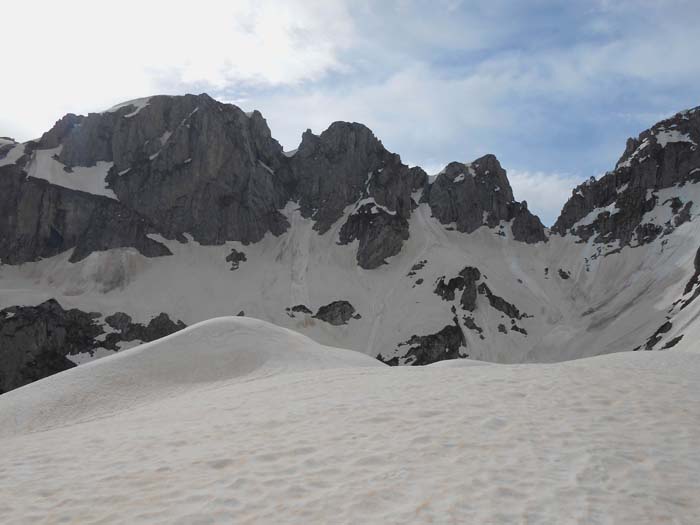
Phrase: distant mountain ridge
(189,207)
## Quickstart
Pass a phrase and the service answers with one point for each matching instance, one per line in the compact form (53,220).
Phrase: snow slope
(610,303)
(210,352)
(572,298)
(235,420)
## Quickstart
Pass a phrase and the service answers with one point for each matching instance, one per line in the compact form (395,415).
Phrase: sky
(552,88)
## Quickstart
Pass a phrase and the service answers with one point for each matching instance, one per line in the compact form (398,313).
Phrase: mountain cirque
(146,209)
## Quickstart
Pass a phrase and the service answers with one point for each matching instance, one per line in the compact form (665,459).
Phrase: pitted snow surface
(284,439)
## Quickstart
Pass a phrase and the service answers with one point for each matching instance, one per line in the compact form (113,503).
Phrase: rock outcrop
(298,309)
(236,258)
(179,165)
(194,165)
(126,330)
(499,303)
(477,194)
(465,282)
(41,220)
(336,313)
(614,207)
(37,341)
(348,166)
(447,343)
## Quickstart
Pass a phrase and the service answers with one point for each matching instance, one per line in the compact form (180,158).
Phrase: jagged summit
(615,207)
(189,208)
(176,165)
(477,194)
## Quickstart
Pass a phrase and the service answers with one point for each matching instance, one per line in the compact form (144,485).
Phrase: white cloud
(83,55)
(436,81)
(545,193)
(414,111)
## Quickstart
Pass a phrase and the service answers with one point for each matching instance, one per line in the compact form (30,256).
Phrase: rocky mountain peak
(477,194)
(342,139)
(613,208)
(176,165)
(177,168)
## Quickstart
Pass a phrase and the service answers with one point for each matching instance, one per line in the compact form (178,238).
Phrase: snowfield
(610,303)
(235,420)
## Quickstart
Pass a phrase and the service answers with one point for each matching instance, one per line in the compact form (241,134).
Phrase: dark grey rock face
(662,156)
(337,313)
(347,165)
(471,325)
(193,165)
(36,340)
(119,321)
(499,303)
(126,330)
(426,349)
(465,282)
(381,234)
(236,258)
(417,267)
(298,309)
(463,291)
(656,337)
(526,227)
(181,164)
(42,220)
(478,194)
(517,328)
(692,283)
(696,276)
(342,165)
(196,166)
(60,132)
(673,342)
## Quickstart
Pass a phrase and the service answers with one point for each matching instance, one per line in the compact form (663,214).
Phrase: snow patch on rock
(667,136)
(138,104)
(88,179)
(13,155)
(376,208)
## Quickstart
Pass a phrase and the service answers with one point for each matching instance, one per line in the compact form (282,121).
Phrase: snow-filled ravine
(235,420)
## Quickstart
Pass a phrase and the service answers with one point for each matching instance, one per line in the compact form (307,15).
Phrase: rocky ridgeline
(193,165)
(614,206)
(336,313)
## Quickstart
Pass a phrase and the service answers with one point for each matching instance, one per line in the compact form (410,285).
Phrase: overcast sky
(553,88)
